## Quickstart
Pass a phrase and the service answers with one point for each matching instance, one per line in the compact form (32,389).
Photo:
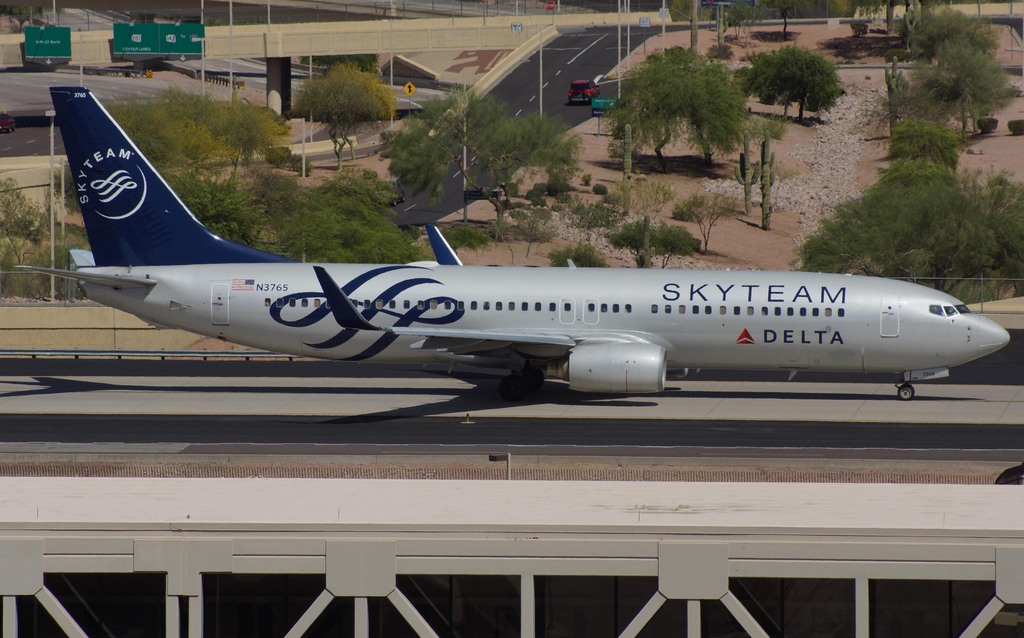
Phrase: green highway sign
(599,105)
(48,45)
(182,41)
(146,41)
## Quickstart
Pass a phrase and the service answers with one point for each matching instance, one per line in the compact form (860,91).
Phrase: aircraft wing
(347,316)
(114,281)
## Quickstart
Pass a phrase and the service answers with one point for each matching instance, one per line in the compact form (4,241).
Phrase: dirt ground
(739,242)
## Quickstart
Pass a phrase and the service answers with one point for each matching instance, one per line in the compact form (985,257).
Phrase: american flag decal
(243,284)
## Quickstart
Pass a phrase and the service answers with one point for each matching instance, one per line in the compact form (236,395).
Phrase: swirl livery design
(402,317)
(120,187)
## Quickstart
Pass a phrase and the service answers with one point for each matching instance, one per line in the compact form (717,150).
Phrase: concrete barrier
(84,327)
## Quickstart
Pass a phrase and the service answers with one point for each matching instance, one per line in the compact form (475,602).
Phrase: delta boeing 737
(614,330)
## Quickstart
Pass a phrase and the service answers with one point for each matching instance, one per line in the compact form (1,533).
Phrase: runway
(322,408)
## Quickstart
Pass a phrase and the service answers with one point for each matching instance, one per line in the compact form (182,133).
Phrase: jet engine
(613,367)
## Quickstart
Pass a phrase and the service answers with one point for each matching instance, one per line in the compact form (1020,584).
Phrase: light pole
(53,254)
(540,74)
(231,47)
(618,60)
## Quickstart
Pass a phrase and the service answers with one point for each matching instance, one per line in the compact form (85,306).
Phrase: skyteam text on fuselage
(601,330)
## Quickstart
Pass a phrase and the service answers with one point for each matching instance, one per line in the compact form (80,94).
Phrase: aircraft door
(889,320)
(219,304)
(591,311)
(567,311)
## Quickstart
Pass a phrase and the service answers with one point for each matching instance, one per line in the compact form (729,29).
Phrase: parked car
(6,122)
(583,91)
(397,195)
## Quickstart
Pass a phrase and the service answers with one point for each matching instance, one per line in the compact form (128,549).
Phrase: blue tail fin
(132,216)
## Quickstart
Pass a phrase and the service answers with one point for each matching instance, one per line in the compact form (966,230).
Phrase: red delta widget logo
(745,337)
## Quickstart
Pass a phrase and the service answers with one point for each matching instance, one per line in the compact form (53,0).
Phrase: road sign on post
(663,13)
(550,5)
(645,22)
(517,27)
(599,105)
(409,88)
(48,45)
(182,41)
(136,40)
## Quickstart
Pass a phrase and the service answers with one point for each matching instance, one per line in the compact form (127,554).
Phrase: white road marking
(518,112)
(533,98)
(545,85)
(559,71)
(410,208)
(585,50)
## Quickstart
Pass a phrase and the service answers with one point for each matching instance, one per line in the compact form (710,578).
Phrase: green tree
(587,220)
(787,9)
(500,149)
(793,74)
(345,219)
(22,221)
(923,140)
(936,226)
(942,26)
(665,241)
(582,255)
(343,99)
(677,93)
(248,131)
(222,205)
(533,226)
(705,210)
(968,83)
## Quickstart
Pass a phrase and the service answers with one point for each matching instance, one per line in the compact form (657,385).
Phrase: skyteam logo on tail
(117,194)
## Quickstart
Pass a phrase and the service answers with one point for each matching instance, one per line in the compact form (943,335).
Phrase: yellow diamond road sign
(409,89)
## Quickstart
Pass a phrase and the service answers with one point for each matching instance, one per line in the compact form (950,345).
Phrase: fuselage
(703,319)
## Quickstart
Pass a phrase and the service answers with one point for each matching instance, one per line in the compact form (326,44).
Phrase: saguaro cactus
(748,172)
(896,86)
(767,179)
(627,153)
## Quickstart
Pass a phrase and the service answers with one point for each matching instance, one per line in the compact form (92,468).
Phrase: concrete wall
(84,327)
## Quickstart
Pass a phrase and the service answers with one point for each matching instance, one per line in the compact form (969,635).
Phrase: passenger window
(721,310)
(803,312)
(391,304)
(764,311)
(668,309)
(472,305)
(567,307)
(841,312)
(460,306)
(736,310)
(591,307)
(316,303)
(280,303)
(433,304)
(828,312)
(615,307)
(696,310)
(789,312)
(682,310)
(447,305)
(405,304)
(487,305)
(654,308)
(628,308)
(814,312)
(707,310)
(419,305)
(551,307)
(366,303)
(305,303)
(379,304)
(778,311)
(291,303)
(266,302)
(604,307)
(511,305)
(537,306)
(497,305)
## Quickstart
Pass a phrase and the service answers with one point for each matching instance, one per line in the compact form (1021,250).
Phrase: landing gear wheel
(905,391)
(534,379)
(513,388)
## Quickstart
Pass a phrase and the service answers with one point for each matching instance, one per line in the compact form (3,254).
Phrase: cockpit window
(950,311)
(963,309)
(936,309)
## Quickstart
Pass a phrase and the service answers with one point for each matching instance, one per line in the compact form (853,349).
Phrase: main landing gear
(517,385)
(904,391)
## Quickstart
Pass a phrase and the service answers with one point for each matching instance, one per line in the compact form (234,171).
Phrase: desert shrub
(278,156)
(720,52)
(582,255)
(987,124)
(601,189)
(586,178)
(554,188)
(536,195)
(1016,127)
(466,236)
(923,140)
(901,55)
(295,163)
(859,29)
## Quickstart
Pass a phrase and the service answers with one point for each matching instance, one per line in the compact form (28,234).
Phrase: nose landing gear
(904,391)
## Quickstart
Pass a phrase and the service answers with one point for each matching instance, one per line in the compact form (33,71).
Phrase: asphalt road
(418,409)
(574,55)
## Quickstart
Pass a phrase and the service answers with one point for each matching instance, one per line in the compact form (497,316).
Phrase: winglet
(342,308)
(443,252)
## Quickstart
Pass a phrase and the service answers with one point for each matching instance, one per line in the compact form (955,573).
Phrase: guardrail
(245,355)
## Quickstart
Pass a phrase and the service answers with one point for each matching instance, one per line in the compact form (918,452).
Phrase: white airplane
(601,330)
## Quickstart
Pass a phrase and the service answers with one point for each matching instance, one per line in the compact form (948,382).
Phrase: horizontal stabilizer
(115,281)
